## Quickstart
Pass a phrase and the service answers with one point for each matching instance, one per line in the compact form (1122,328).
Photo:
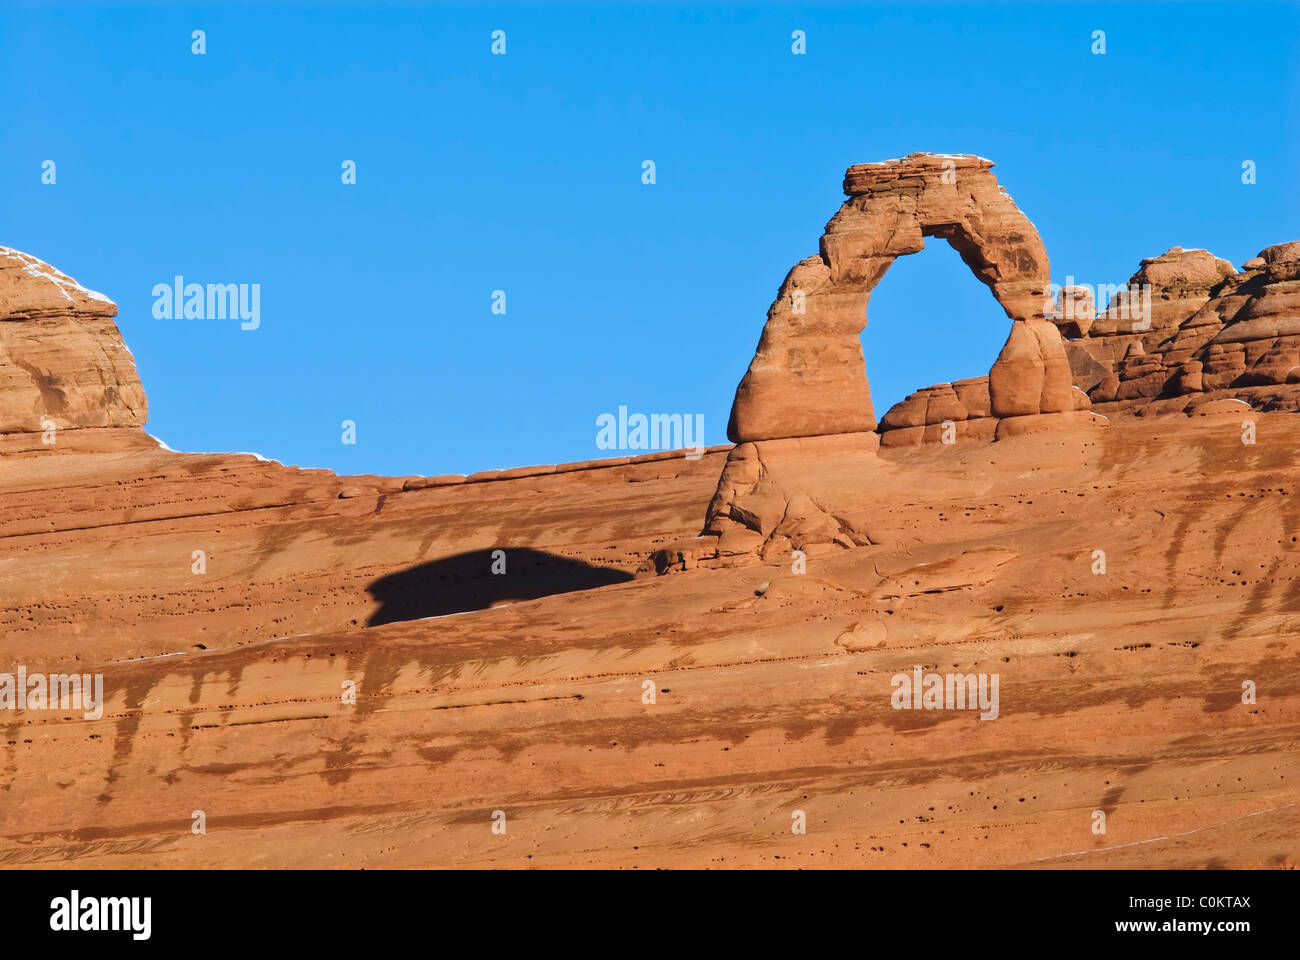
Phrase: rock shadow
(466,581)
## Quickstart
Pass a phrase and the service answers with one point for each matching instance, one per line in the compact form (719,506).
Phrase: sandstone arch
(802,421)
(808,374)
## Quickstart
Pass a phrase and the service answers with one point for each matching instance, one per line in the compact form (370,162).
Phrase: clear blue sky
(523,173)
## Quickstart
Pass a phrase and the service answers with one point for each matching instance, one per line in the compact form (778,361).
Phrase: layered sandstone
(1212,331)
(62,360)
(920,417)
(955,412)
(1119,692)
(1178,282)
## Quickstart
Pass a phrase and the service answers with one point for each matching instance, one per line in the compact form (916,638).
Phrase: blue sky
(523,173)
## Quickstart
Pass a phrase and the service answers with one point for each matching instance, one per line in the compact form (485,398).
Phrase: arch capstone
(808,376)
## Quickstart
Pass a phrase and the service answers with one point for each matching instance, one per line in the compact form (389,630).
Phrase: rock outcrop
(1163,293)
(920,418)
(1209,330)
(1172,286)
(62,360)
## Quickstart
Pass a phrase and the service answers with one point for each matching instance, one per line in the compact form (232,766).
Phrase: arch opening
(928,323)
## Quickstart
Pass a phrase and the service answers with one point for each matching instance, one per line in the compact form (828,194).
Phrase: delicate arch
(808,375)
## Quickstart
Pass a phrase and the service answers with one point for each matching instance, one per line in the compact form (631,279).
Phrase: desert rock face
(62,360)
(1118,692)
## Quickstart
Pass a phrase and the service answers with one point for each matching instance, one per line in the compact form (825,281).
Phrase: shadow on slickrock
(466,581)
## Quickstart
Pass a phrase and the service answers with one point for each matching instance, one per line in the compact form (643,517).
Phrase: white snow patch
(213,453)
(64,283)
(944,156)
(960,156)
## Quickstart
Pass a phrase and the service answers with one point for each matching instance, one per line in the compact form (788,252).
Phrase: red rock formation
(807,380)
(920,417)
(808,377)
(1075,311)
(62,360)
(1179,282)
(1031,376)
(1212,331)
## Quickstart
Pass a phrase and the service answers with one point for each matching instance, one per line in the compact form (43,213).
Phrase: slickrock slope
(1123,584)
(98,537)
(1119,692)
